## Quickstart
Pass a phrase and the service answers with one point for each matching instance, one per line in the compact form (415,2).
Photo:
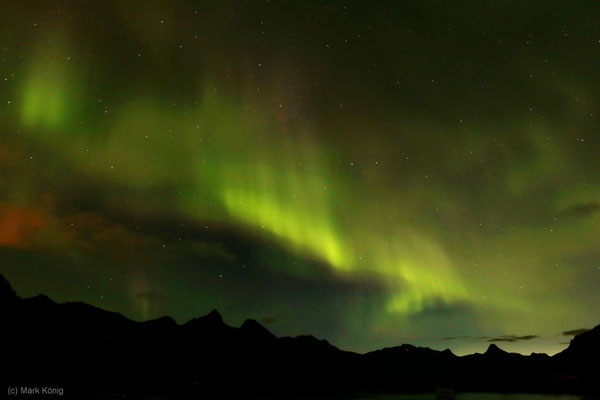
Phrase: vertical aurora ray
(292,203)
(50,93)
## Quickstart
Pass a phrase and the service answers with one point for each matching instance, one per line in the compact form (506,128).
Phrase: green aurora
(372,175)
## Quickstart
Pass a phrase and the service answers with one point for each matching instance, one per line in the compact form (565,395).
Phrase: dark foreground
(419,396)
(91,353)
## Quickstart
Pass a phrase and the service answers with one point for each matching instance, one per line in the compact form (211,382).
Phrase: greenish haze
(371,174)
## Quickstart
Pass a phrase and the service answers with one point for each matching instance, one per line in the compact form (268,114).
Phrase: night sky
(371,173)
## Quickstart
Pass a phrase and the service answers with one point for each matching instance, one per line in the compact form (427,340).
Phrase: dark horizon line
(492,340)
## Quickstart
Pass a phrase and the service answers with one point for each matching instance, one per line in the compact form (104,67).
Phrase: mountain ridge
(104,350)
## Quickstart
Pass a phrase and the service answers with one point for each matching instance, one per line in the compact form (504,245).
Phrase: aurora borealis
(415,172)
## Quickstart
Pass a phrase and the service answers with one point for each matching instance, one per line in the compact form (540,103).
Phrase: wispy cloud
(581,210)
(575,332)
(512,338)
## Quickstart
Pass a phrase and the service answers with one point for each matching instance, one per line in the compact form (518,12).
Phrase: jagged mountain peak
(212,319)
(494,349)
(255,329)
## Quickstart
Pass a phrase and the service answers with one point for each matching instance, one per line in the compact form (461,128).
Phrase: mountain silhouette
(495,351)
(91,352)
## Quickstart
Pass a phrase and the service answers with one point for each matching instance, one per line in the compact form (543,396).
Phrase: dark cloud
(512,338)
(575,332)
(581,210)
(268,320)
